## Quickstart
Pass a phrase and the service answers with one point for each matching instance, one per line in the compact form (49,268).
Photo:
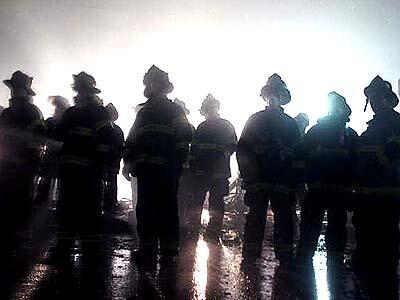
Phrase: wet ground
(101,267)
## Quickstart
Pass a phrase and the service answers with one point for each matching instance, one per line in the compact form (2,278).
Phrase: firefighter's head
(20,85)
(275,92)
(302,121)
(156,83)
(112,112)
(60,104)
(182,105)
(338,107)
(380,95)
(85,84)
(210,107)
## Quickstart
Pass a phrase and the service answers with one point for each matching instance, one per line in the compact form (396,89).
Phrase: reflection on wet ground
(101,267)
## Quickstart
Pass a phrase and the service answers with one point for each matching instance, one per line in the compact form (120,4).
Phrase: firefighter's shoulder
(35,112)
(257,118)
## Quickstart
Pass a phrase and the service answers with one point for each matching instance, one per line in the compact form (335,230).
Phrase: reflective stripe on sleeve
(377,150)
(182,146)
(155,128)
(211,146)
(36,124)
(75,160)
(394,139)
(104,148)
(157,160)
(83,131)
(99,125)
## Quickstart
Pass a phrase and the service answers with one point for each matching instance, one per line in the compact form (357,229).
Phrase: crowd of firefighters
(328,169)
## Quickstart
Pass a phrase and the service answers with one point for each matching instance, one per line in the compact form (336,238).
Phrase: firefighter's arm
(60,130)
(232,140)
(183,136)
(245,154)
(392,148)
(129,149)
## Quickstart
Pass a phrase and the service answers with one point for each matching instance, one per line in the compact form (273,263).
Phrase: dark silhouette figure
(115,151)
(302,121)
(376,219)
(264,156)
(60,105)
(21,125)
(186,182)
(330,152)
(156,148)
(48,170)
(214,141)
(86,132)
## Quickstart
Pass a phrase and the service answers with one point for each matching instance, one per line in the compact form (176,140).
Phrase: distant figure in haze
(330,155)
(21,125)
(214,141)
(302,121)
(264,155)
(86,132)
(186,183)
(110,201)
(376,219)
(48,171)
(156,148)
(60,105)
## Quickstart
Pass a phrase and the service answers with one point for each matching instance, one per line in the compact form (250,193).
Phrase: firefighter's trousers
(313,211)
(111,192)
(79,204)
(282,206)
(157,212)
(217,188)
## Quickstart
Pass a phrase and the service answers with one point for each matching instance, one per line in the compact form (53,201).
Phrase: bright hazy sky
(228,48)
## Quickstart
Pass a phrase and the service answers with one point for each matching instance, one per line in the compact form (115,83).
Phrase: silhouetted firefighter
(376,219)
(302,121)
(48,171)
(186,182)
(115,152)
(330,154)
(20,125)
(156,148)
(264,156)
(86,133)
(214,142)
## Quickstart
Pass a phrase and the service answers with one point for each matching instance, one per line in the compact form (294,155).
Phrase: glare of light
(312,61)
(200,269)
(205,217)
(320,270)
(35,278)
(119,271)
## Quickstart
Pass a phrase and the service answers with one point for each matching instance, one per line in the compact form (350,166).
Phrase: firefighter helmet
(381,88)
(182,105)
(84,82)
(276,87)
(20,80)
(112,112)
(338,105)
(209,104)
(157,81)
(302,119)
